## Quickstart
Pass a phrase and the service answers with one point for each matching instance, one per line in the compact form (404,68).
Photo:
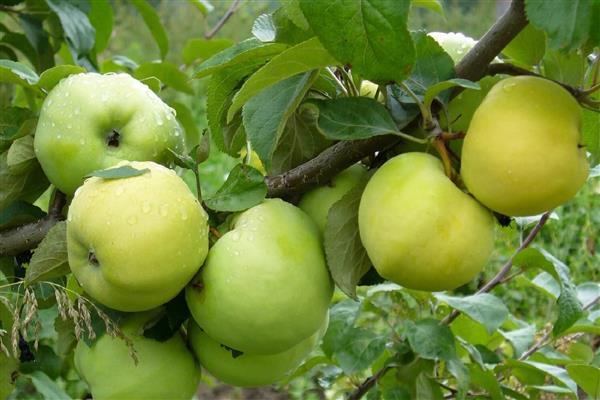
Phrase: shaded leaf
(47,387)
(347,259)
(485,308)
(430,339)
(204,6)
(49,259)
(50,77)
(21,156)
(528,47)
(78,30)
(125,171)
(587,377)
(201,49)
(17,73)
(101,18)
(154,25)
(19,213)
(167,72)
(244,188)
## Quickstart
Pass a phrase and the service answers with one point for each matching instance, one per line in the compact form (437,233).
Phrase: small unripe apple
(369,89)
(454,43)
(249,370)
(317,202)
(265,286)
(90,122)
(420,230)
(134,243)
(165,370)
(523,153)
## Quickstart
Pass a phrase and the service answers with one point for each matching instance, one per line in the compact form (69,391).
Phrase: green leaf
(520,338)
(265,116)
(49,259)
(486,380)
(430,339)
(101,18)
(566,22)
(154,25)
(433,91)
(528,47)
(588,292)
(484,308)
(19,213)
(153,83)
(11,123)
(292,10)
(169,321)
(431,5)
(244,188)
(587,377)
(349,118)
(347,259)
(564,67)
(427,388)
(369,35)
(201,49)
(559,374)
(547,283)
(204,6)
(38,37)
(167,72)
(78,30)
(17,73)
(50,77)
(186,119)
(299,142)
(21,156)
(250,51)
(125,171)
(303,57)
(19,41)
(47,387)
(590,131)
(569,308)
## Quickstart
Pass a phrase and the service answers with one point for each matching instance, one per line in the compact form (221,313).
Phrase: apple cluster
(259,303)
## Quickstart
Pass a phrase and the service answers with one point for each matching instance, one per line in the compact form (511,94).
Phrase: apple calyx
(93,259)
(113,138)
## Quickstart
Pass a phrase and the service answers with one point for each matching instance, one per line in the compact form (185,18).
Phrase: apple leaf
(557,373)
(347,259)
(431,5)
(78,30)
(49,259)
(590,131)
(438,88)
(369,35)
(300,141)
(430,339)
(566,22)
(19,41)
(101,18)
(174,313)
(201,49)
(303,57)
(587,377)
(167,72)
(50,77)
(125,171)
(46,387)
(21,156)
(12,120)
(265,116)
(564,67)
(528,47)
(250,51)
(19,213)
(154,25)
(569,307)
(349,118)
(278,27)
(292,10)
(520,339)
(204,6)
(244,188)
(153,83)
(484,308)
(17,73)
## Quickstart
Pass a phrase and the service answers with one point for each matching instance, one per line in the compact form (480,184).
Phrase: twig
(368,383)
(496,280)
(230,11)
(17,240)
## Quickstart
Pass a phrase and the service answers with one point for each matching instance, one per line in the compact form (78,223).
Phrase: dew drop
(146,207)
(508,87)
(236,253)
(49,102)
(132,220)
(235,236)
(184,215)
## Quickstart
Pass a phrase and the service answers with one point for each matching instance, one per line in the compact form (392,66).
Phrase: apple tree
(357,247)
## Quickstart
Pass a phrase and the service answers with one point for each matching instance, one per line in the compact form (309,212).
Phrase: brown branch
(341,155)
(368,383)
(230,11)
(26,237)
(496,280)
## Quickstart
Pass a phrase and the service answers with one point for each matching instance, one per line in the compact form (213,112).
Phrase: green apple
(134,243)
(369,89)
(455,44)
(249,370)
(523,153)
(265,286)
(419,229)
(317,202)
(90,122)
(165,370)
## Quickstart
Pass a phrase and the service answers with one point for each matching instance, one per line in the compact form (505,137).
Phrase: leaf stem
(230,11)
(337,80)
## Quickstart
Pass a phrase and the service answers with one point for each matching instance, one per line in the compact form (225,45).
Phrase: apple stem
(440,146)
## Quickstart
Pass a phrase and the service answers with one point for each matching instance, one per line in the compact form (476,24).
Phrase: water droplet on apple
(236,253)
(49,102)
(146,207)
(164,210)
(508,87)
(184,215)
(132,220)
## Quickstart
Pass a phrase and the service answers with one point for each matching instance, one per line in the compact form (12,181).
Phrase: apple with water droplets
(90,122)
(134,243)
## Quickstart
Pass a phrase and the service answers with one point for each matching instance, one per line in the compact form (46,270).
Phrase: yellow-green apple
(164,370)
(134,243)
(265,286)
(249,370)
(90,122)
(523,152)
(369,89)
(317,202)
(419,229)
(455,44)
